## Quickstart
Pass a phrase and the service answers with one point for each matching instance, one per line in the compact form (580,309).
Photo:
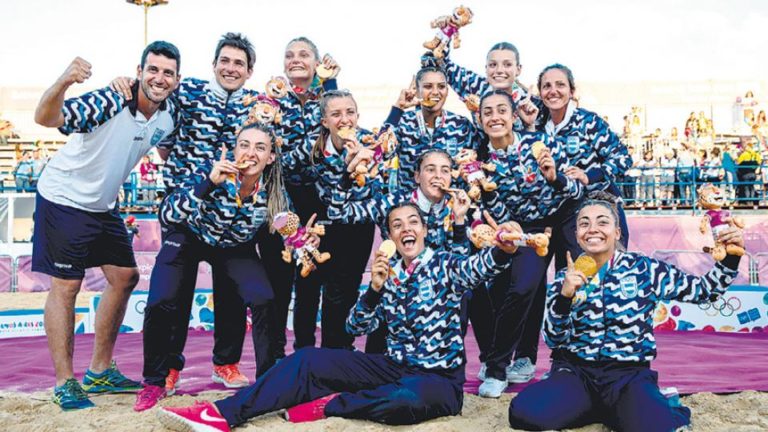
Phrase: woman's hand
(222,168)
(408,97)
(379,271)
(547,165)
(577,173)
(461,203)
(574,279)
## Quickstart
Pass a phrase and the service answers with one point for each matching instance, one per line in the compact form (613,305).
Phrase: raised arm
(49,109)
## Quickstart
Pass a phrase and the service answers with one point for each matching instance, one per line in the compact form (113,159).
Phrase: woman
(300,122)
(596,155)
(532,186)
(420,377)
(667,167)
(322,163)
(603,340)
(215,221)
(502,67)
(427,127)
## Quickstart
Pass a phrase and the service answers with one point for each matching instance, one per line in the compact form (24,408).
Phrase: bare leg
(60,325)
(110,313)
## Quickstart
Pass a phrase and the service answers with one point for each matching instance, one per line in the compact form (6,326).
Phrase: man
(77,224)
(418,379)
(210,113)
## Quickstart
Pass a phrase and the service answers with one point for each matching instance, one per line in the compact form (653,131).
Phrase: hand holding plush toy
(448,29)
(296,241)
(380,143)
(487,235)
(712,199)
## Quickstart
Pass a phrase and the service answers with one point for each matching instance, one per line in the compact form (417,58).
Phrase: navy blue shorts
(66,240)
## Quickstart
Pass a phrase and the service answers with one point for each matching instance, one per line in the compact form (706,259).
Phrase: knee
(65,287)
(528,416)
(125,279)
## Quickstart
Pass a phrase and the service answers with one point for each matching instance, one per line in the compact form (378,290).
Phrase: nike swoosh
(207,417)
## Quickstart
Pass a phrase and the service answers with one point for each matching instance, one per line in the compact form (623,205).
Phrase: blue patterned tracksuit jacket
(327,171)
(300,123)
(421,306)
(523,194)
(210,117)
(452,133)
(615,322)
(213,214)
(375,209)
(592,146)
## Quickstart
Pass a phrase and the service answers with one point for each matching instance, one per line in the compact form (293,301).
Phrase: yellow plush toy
(712,199)
(448,29)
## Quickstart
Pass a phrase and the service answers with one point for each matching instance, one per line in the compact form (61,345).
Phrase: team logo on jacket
(425,291)
(452,146)
(572,145)
(629,287)
(157,136)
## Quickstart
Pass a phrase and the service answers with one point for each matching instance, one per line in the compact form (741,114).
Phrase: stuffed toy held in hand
(277,87)
(289,226)
(712,199)
(380,142)
(473,172)
(448,29)
(483,236)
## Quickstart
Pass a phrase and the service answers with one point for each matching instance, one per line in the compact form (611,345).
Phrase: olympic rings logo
(721,306)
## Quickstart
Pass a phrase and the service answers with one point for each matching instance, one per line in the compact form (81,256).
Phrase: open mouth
(595,240)
(408,241)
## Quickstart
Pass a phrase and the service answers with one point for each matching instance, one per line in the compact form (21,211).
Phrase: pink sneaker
(309,411)
(148,397)
(200,417)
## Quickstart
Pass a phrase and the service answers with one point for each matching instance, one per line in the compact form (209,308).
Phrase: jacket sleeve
(85,113)
(365,317)
(558,325)
(672,283)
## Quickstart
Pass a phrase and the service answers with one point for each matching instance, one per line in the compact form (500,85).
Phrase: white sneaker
(521,371)
(492,388)
(481,374)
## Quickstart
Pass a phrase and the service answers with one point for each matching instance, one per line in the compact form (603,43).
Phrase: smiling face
(254,146)
(158,78)
(501,69)
(231,68)
(299,62)
(433,174)
(497,116)
(407,231)
(555,89)
(340,112)
(433,90)
(597,231)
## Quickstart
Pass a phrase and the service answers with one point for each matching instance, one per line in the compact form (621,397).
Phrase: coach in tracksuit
(421,375)
(601,332)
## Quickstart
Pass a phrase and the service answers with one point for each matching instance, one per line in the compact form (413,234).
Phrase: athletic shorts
(66,240)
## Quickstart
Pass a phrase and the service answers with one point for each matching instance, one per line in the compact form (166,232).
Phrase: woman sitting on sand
(600,328)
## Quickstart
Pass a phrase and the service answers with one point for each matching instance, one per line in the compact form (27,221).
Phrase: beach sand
(20,412)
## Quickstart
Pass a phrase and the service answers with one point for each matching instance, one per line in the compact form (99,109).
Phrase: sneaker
(148,397)
(70,396)
(230,376)
(111,380)
(171,381)
(481,373)
(309,411)
(521,371)
(200,417)
(492,388)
